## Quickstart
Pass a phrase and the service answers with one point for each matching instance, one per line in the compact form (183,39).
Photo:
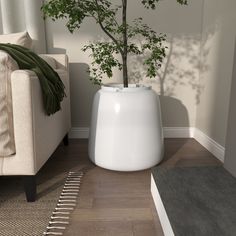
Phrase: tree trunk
(125,42)
(125,71)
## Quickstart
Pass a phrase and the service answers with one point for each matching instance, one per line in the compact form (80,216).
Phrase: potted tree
(126,131)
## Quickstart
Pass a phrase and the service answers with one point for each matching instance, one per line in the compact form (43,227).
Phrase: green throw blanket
(52,87)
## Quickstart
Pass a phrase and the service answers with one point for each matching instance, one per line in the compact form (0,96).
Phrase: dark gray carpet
(199,201)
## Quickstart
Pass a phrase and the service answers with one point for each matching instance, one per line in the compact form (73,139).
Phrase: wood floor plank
(122,202)
(113,214)
(145,228)
(85,202)
(100,228)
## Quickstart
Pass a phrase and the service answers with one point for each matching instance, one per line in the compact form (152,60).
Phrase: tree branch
(106,32)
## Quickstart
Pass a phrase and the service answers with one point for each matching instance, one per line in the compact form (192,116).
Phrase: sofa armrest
(36,134)
(61,60)
(22,82)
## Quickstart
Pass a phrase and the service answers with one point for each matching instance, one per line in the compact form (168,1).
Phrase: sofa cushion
(7,142)
(21,38)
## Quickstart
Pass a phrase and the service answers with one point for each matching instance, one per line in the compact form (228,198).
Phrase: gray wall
(217,52)
(179,75)
(230,147)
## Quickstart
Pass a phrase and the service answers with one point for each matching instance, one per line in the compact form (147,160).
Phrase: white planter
(126,131)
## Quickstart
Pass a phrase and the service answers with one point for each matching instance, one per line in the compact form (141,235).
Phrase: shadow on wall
(173,112)
(82,92)
(180,67)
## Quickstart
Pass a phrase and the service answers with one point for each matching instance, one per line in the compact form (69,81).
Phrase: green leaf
(123,35)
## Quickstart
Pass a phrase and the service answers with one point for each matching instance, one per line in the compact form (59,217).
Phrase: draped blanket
(52,87)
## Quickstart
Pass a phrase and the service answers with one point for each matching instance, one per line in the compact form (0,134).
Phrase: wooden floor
(117,203)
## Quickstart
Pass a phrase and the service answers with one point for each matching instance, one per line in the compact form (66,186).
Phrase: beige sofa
(36,135)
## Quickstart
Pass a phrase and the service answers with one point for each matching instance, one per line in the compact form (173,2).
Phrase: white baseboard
(211,145)
(170,132)
(165,223)
(79,132)
(178,132)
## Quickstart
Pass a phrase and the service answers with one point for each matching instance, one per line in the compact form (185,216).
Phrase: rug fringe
(66,204)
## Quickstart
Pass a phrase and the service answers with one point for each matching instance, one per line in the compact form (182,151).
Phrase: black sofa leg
(66,140)
(30,187)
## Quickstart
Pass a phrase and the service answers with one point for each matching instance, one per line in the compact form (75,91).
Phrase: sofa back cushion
(21,38)
(50,60)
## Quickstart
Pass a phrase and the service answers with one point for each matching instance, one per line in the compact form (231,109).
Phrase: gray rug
(199,201)
(19,218)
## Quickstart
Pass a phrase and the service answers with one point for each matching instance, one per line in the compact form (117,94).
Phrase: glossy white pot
(126,130)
